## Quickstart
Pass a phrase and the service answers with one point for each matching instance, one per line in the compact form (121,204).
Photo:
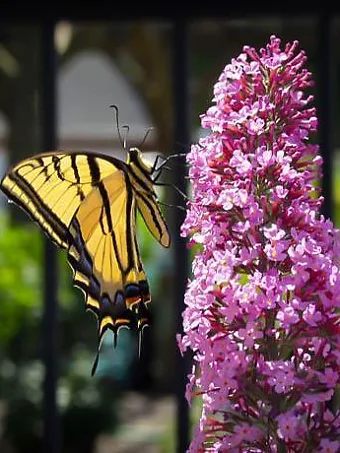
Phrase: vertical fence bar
(326,94)
(180,75)
(50,318)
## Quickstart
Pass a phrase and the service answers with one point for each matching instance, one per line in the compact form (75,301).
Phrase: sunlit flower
(262,304)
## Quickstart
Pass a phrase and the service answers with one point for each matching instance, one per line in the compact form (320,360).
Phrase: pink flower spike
(262,306)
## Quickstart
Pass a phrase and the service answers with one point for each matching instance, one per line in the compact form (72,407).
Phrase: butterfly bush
(261,314)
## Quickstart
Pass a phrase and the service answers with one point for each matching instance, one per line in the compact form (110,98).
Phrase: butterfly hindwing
(104,256)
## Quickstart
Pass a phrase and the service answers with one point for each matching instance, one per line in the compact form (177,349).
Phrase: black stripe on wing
(59,229)
(152,212)
(130,219)
(106,214)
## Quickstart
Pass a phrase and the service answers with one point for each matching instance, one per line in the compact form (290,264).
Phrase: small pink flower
(249,334)
(287,317)
(288,426)
(255,126)
(240,162)
(329,377)
(311,315)
(328,446)
(265,157)
(246,432)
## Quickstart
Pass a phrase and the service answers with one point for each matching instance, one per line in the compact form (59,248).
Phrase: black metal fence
(52,435)
(51,441)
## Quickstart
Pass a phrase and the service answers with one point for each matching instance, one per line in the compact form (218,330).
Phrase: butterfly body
(87,204)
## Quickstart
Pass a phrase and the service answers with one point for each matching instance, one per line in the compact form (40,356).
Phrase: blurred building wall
(87,85)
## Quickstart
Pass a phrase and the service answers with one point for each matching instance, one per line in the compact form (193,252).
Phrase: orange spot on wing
(131,301)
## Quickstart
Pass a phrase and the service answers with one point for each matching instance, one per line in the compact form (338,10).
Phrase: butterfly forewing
(147,203)
(50,187)
(153,218)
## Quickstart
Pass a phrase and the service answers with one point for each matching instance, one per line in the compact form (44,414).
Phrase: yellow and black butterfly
(87,204)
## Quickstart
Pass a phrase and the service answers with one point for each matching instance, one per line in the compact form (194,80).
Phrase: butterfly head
(136,157)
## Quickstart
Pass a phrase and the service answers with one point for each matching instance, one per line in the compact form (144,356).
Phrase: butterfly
(87,203)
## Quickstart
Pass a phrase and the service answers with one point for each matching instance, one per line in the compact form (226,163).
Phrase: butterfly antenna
(149,129)
(113,106)
(127,128)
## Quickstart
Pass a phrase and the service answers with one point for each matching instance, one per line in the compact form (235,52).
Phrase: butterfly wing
(50,187)
(87,204)
(105,259)
(146,197)
(153,217)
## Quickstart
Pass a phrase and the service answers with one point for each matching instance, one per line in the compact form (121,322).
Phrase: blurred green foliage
(20,282)
(88,406)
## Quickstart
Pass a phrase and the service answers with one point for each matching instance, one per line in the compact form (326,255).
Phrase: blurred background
(130,404)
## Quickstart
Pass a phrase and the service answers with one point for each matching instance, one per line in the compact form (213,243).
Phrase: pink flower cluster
(262,305)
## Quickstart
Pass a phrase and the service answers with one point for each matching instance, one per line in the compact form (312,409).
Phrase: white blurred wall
(87,85)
